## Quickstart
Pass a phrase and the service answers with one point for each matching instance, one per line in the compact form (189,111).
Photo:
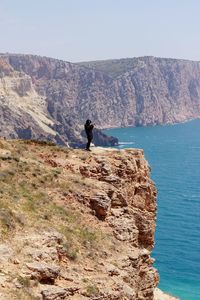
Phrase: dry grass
(30,193)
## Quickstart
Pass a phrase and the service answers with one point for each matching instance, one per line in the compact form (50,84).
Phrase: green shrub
(92,290)
(24,281)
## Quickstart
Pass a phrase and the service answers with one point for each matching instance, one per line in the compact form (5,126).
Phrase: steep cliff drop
(45,98)
(76,225)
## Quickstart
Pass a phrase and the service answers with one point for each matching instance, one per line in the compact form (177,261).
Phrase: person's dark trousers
(88,143)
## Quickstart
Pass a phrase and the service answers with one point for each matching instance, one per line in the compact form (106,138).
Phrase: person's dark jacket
(88,129)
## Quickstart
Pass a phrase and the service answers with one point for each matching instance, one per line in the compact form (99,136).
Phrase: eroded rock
(100,203)
(43,272)
(5,252)
(50,292)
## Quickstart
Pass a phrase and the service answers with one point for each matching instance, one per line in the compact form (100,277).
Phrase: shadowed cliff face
(75,225)
(54,98)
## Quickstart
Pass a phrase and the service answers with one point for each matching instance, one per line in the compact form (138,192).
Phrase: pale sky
(83,30)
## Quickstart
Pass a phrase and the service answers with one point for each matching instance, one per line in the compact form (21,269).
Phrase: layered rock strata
(44,98)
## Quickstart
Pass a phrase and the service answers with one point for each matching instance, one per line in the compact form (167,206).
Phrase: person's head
(88,122)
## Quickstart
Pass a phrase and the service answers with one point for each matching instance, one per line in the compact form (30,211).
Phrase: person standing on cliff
(88,129)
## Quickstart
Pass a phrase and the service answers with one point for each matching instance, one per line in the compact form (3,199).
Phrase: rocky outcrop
(81,224)
(44,98)
(43,272)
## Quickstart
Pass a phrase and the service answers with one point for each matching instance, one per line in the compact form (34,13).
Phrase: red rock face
(128,205)
(140,91)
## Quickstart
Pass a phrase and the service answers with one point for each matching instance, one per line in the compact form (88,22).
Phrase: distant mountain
(152,90)
(42,97)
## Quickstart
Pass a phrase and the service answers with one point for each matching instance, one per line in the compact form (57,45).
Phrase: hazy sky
(80,30)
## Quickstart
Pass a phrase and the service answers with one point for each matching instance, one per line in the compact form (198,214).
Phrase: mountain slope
(47,98)
(154,90)
(38,100)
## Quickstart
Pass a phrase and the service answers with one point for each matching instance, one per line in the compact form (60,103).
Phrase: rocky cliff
(75,225)
(47,98)
(39,99)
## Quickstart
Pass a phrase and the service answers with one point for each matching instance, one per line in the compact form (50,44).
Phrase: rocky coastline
(76,225)
(44,98)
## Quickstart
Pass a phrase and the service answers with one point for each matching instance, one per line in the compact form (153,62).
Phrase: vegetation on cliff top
(114,67)
(70,227)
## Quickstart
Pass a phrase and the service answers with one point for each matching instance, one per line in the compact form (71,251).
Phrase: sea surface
(173,152)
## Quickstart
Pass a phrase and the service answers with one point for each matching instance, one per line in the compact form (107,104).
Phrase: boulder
(100,203)
(43,272)
(52,292)
(5,252)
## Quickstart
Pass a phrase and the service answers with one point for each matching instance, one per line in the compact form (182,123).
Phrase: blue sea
(173,152)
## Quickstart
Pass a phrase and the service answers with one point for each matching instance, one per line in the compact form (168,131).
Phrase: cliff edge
(75,224)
